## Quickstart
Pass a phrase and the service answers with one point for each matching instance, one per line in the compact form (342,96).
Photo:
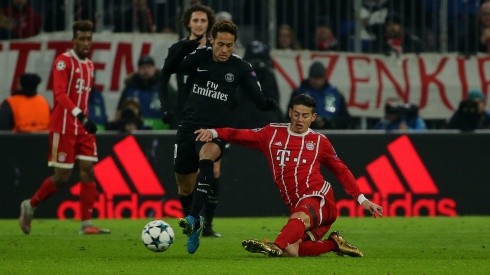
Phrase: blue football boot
(188,224)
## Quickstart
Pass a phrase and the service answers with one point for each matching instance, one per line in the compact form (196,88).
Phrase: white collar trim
(296,134)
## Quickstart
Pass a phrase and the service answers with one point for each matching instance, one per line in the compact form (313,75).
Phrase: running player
(71,132)
(214,74)
(198,20)
(295,154)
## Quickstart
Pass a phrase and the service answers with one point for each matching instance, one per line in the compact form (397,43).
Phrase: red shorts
(322,212)
(64,149)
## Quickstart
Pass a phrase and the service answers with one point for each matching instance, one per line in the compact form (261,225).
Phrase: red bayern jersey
(295,159)
(73,79)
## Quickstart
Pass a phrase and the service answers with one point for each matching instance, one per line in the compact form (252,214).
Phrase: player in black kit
(214,75)
(198,20)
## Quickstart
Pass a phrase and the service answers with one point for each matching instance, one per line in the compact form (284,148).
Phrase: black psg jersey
(212,87)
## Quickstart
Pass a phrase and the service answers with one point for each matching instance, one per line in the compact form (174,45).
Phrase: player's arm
(177,52)
(247,137)
(171,63)
(61,71)
(330,159)
(251,85)
(191,62)
(163,92)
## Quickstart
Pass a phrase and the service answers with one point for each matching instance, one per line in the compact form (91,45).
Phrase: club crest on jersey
(229,77)
(60,66)
(61,156)
(310,145)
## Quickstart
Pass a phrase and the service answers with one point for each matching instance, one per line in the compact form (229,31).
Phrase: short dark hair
(186,17)
(224,26)
(82,26)
(304,99)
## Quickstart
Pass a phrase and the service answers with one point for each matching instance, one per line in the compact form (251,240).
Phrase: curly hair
(186,17)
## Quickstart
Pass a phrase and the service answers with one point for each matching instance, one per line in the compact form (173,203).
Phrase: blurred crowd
(374,26)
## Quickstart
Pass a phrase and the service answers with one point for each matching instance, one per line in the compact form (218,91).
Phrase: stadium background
(436,80)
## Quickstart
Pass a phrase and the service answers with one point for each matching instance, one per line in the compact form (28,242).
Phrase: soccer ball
(157,236)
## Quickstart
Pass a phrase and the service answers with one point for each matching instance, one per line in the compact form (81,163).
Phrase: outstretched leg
(49,186)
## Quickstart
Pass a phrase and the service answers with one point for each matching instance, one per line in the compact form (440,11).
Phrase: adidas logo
(118,200)
(278,143)
(402,185)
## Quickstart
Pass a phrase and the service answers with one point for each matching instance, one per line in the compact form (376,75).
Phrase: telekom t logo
(283,156)
(114,185)
(388,173)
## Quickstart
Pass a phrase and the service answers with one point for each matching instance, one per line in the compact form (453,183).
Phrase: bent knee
(302,216)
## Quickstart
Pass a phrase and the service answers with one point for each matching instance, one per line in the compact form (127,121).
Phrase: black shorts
(186,151)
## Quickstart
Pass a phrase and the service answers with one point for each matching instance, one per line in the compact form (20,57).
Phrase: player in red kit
(295,154)
(71,133)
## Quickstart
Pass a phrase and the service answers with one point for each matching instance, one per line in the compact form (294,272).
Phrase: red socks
(88,197)
(45,191)
(312,248)
(290,233)
(293,232)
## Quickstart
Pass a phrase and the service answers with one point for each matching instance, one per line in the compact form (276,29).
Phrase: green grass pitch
(422,245)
